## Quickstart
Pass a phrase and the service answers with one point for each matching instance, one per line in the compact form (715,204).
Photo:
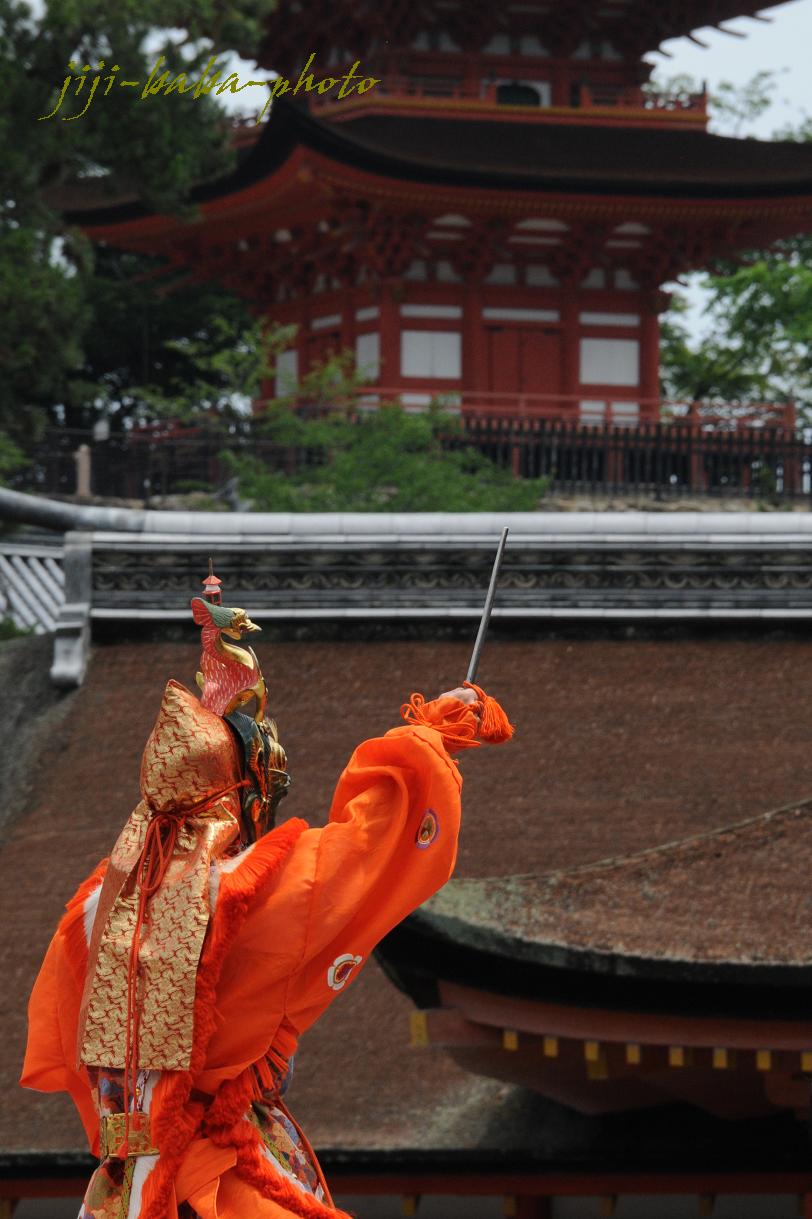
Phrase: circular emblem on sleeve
(339,972)
(429,829)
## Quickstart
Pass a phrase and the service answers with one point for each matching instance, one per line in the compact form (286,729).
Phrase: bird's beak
(250,626)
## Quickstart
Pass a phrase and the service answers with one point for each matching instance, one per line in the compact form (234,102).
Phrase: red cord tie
(160,840)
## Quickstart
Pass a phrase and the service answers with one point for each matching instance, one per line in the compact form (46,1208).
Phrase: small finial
(211,587)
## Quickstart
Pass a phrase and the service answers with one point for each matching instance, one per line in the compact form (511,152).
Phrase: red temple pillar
(649,363)
(570,351)
(390,337)
(474,350)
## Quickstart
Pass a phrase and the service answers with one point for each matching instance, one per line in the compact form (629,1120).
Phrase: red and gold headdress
(229,678)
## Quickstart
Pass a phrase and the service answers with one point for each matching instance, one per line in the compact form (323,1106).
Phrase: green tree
(385,461)
(758,310)
(192,354)
(56,291)
(721,368)
(764,304)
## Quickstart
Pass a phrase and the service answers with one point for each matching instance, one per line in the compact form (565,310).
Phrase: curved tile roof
(503,155)
(737,896)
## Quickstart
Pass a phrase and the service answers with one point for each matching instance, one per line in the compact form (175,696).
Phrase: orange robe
(295,918)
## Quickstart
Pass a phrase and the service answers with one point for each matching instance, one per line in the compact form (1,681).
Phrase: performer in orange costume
(187,966)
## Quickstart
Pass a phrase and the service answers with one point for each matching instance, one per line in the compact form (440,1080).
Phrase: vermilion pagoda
(495,220)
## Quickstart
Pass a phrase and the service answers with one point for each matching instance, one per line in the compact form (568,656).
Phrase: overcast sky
(782,46)
(784,43)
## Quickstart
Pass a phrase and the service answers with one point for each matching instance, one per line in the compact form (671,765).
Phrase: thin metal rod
(486,613)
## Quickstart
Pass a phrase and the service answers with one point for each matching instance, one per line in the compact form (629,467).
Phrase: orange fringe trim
(255,1169)
(457,721)
(226,1126)
(72,924)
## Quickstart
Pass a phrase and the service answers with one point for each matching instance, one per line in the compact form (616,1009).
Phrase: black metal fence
(663,459)
(660,460)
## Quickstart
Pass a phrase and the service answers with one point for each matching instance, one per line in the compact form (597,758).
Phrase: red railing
(634,98)
(610,410)
(490,94)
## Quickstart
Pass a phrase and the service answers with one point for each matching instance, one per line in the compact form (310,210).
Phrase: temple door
(540,367)
(524,360)
(503,360)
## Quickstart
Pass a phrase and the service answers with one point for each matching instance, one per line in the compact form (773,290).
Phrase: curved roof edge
(519,923)
(291,125)
(538,528)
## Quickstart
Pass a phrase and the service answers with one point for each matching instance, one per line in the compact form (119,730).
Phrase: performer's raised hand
(463,694)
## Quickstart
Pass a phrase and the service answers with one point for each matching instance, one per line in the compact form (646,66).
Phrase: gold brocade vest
(190,757)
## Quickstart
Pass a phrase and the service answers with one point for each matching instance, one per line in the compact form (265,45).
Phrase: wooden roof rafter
(653,24)
(635,26)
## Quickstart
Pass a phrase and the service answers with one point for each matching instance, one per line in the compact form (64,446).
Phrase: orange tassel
(451,718)
(454,719)
(494,725)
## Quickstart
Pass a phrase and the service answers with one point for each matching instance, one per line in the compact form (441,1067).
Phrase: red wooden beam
(519,1185)
(550,1185)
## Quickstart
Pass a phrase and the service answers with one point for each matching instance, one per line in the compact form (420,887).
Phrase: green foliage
(759,342)
(721,368)
(188,352)
(154,148)
(12,457)
(733,108)
(84,328)
(388,461)
(10,630)
(44,311)
(759,348)
(331,381)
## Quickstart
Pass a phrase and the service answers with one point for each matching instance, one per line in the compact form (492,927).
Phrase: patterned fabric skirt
(114,1190)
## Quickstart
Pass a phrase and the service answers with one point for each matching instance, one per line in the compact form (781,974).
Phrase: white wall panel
(444,311)
(500,313)
(431,353)
(610,362)
(326,322)
(287,372)
(368,355)
(609,319)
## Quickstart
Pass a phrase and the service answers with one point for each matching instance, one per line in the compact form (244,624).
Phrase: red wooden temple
(492,222)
